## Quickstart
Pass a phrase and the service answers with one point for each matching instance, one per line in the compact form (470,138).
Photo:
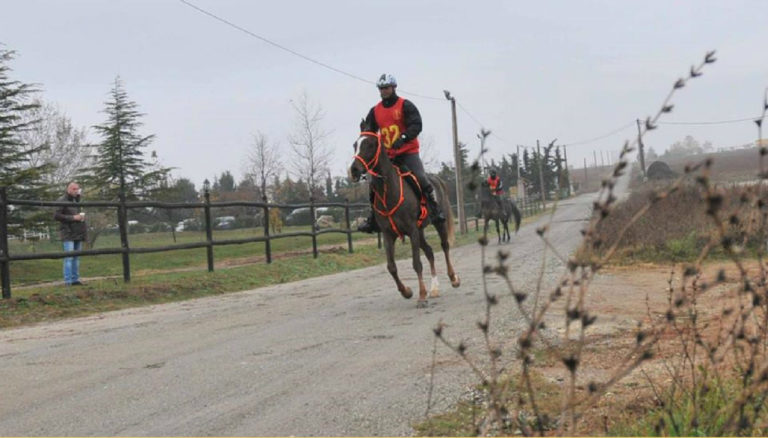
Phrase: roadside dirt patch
(622,298)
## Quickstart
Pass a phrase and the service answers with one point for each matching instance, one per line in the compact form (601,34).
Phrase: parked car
(224,222)
(300,216)
(190,224)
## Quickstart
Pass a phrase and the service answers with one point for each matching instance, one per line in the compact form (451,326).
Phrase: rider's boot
(370,225)
(436,215)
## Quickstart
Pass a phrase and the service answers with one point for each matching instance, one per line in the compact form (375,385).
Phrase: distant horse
(498,210)
(398,212)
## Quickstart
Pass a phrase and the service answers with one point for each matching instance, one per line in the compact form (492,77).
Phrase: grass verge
(44,303)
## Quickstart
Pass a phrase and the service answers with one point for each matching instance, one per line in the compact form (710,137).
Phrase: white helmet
(386,80)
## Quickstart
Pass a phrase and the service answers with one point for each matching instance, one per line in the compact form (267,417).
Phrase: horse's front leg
(434,285)
(389,246)
(498,232)
(416,255)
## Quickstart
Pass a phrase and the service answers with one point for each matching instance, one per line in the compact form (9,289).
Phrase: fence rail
(126,250)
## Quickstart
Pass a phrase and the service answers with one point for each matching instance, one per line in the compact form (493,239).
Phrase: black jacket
(70,229)
(411,116)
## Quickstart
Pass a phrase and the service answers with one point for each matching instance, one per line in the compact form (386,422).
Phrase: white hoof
(434,288)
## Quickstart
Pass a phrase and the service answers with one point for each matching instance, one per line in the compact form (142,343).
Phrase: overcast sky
(527,70)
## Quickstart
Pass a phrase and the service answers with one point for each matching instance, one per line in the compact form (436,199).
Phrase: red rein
(382,199)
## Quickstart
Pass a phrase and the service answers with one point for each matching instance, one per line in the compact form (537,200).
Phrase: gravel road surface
(342,354)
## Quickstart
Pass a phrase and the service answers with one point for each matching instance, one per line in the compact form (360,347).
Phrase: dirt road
(337,355)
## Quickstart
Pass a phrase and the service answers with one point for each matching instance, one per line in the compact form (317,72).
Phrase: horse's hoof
(406,293)
(434,290)
(456,281)
(422,304)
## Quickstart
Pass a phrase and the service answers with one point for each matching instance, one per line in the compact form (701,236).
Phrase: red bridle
(370,165)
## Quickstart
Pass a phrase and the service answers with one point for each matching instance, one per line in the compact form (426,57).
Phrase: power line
(717,122)
(615,131)
(293,52)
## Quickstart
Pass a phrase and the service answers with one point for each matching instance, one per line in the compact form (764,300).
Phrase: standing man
(72,232)
(399,123)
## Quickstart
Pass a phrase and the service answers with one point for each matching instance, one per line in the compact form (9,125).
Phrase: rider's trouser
(414,164)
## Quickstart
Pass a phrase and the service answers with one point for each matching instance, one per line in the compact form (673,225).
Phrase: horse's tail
(516,213)
(445,205)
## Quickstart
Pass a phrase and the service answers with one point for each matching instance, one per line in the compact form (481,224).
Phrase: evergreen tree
(225,183)
(120,168)
(22,178)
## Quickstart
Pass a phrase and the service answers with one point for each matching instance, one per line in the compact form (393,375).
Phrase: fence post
(5,270)
(208,229)
(349,228)
(312,225)
(267,243)
(122,221)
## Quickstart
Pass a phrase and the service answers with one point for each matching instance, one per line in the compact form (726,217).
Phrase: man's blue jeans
(72,264)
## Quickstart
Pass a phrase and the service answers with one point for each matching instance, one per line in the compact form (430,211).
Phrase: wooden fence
(125,249)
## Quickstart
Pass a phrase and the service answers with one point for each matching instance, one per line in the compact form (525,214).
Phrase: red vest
(493,183)
(392,126)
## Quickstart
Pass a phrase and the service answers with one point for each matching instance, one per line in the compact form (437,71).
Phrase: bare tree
(57,144)
(311,154)
(263,161)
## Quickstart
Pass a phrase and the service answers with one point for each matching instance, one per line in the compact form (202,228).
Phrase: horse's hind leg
(498,232)
(452,275)
(434,285)
(416,254)
(389,246)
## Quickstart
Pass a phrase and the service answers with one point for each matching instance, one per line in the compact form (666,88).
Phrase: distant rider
(494,184)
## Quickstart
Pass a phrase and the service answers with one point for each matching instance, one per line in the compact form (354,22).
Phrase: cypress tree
(120,165)
(22,179)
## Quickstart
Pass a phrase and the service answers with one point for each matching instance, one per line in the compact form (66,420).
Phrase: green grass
(702,411)
(40,271)
(47,302)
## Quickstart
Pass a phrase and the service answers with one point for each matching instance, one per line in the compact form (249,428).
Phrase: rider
(399,123)
(494,183)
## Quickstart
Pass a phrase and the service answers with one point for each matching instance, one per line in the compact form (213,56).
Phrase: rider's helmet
(493,173)
(386,80)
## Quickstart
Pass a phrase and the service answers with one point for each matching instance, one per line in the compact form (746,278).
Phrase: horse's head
(367,153)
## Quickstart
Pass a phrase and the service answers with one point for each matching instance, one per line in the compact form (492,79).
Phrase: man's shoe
(369,226)
(76,283)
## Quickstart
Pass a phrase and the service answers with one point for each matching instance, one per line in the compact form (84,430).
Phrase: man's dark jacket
(70,229)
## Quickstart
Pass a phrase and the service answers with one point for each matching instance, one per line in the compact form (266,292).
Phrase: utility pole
(602,158)
(567,170)
(520,185)
(459,166)
(594,156)
(640,148)
(541,176)
(586,177)
(483,133)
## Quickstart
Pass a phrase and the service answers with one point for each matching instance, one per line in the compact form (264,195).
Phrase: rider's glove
(397,144)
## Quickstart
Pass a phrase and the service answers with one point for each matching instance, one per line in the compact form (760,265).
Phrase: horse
(398,212)
(498,210)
